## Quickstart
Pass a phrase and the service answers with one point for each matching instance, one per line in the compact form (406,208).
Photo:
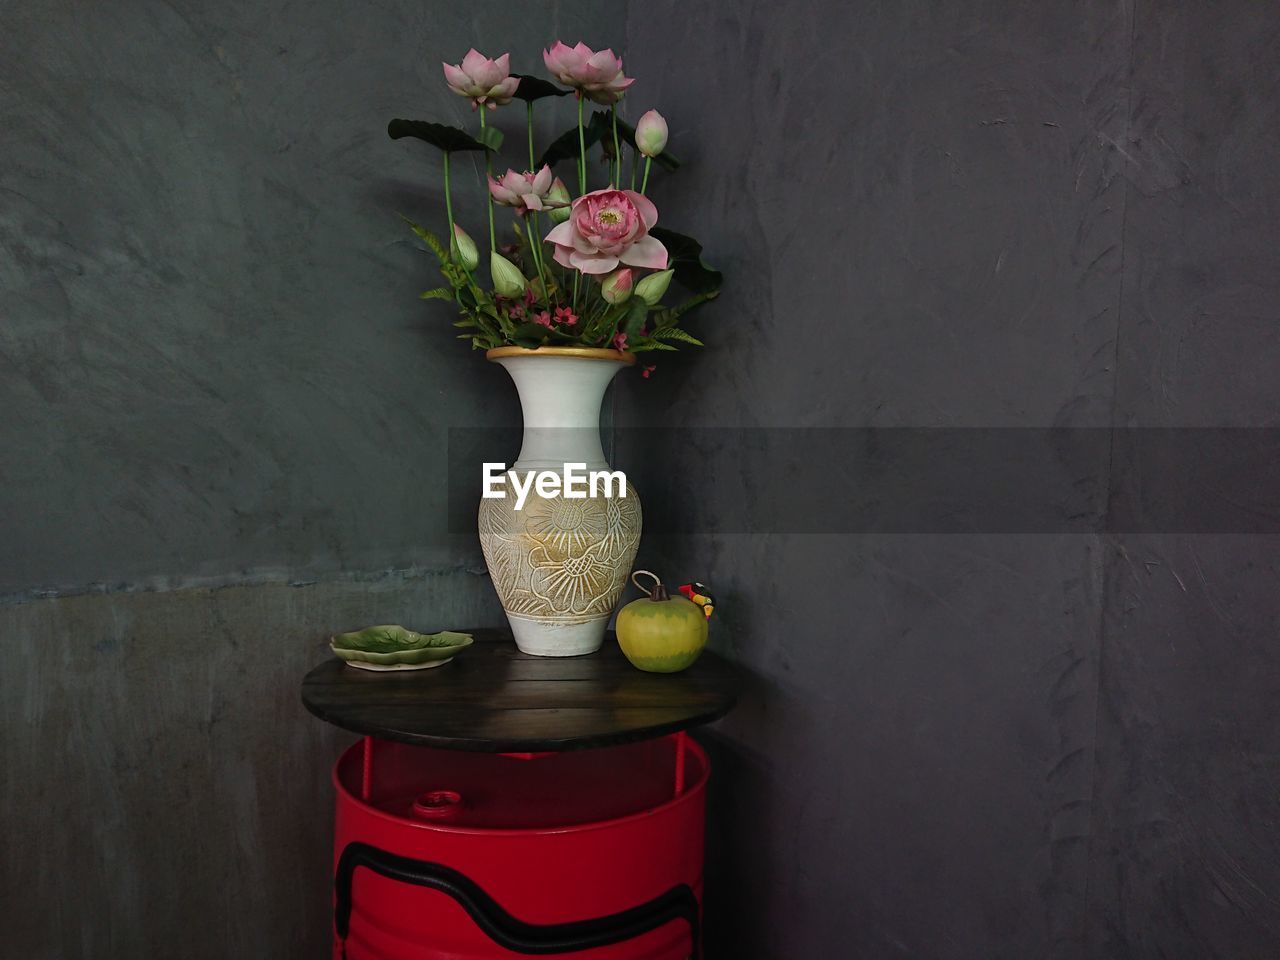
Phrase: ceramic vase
(559,564)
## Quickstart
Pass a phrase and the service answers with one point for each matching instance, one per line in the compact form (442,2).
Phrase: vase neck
(560,399)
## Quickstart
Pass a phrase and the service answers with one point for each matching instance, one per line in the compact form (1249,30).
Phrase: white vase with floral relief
(559,564)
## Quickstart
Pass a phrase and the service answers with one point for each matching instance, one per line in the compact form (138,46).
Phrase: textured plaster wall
(223,437)
(991,214)
(225,417)
(214,362)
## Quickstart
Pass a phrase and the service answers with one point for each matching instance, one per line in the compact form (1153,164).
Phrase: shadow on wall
(741,822)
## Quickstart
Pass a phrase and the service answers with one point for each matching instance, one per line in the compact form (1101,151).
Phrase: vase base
(557,639)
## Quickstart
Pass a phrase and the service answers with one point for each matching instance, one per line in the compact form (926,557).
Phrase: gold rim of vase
(587,353)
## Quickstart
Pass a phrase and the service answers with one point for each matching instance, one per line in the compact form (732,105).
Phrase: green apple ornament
(661,633)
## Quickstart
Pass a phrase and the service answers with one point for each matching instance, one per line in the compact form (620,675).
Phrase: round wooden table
(491,698)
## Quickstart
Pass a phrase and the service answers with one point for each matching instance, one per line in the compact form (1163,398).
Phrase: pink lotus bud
(616,287)
(651,134)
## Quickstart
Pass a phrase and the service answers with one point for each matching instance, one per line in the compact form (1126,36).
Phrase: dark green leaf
(645,344)
(565,146)
(437,293)
(691,271)
(560,336)
(438,135)
(535,88)
(634,319)
(429,238)
(528,335)
(675,333)
(671,316)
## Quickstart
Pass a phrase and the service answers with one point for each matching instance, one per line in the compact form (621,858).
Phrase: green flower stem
(448,206)
(644,185)
(582,150)
(635,165)
(531,160)
(535,247)
(617,154)
(488,172)
(577,275)
(448,203)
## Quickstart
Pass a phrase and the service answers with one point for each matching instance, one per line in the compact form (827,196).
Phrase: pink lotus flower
(608,227)
(485,81)
(595,75)
(524,191)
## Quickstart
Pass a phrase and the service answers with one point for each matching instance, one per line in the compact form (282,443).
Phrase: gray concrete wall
(224,434)
(992,214)
(226,410)
(214,361)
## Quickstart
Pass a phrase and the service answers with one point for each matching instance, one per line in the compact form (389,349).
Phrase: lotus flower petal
(561,256)
(648,253)
(648,212)
(561,235)
(542,180)
(592,263)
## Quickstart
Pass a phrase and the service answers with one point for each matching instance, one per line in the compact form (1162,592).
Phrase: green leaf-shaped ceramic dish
(392,647)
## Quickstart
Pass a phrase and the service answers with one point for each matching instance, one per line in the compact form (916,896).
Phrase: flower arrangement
(587,270)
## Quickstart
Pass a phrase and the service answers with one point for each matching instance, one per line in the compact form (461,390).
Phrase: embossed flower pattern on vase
(558,559)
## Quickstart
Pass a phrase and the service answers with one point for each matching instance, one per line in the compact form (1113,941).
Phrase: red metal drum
(448,855)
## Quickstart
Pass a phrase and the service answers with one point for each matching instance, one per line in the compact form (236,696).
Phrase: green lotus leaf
(565,146)
(535,88)
(438,135)
(692,272)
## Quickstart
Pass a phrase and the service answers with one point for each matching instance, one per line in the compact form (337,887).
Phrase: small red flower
(646,371)
(620,341)
(543,318)
(566,316)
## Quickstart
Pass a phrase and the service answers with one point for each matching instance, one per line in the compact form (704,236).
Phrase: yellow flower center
(609,217)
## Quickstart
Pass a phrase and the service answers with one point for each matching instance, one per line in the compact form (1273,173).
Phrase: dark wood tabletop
(492,698)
